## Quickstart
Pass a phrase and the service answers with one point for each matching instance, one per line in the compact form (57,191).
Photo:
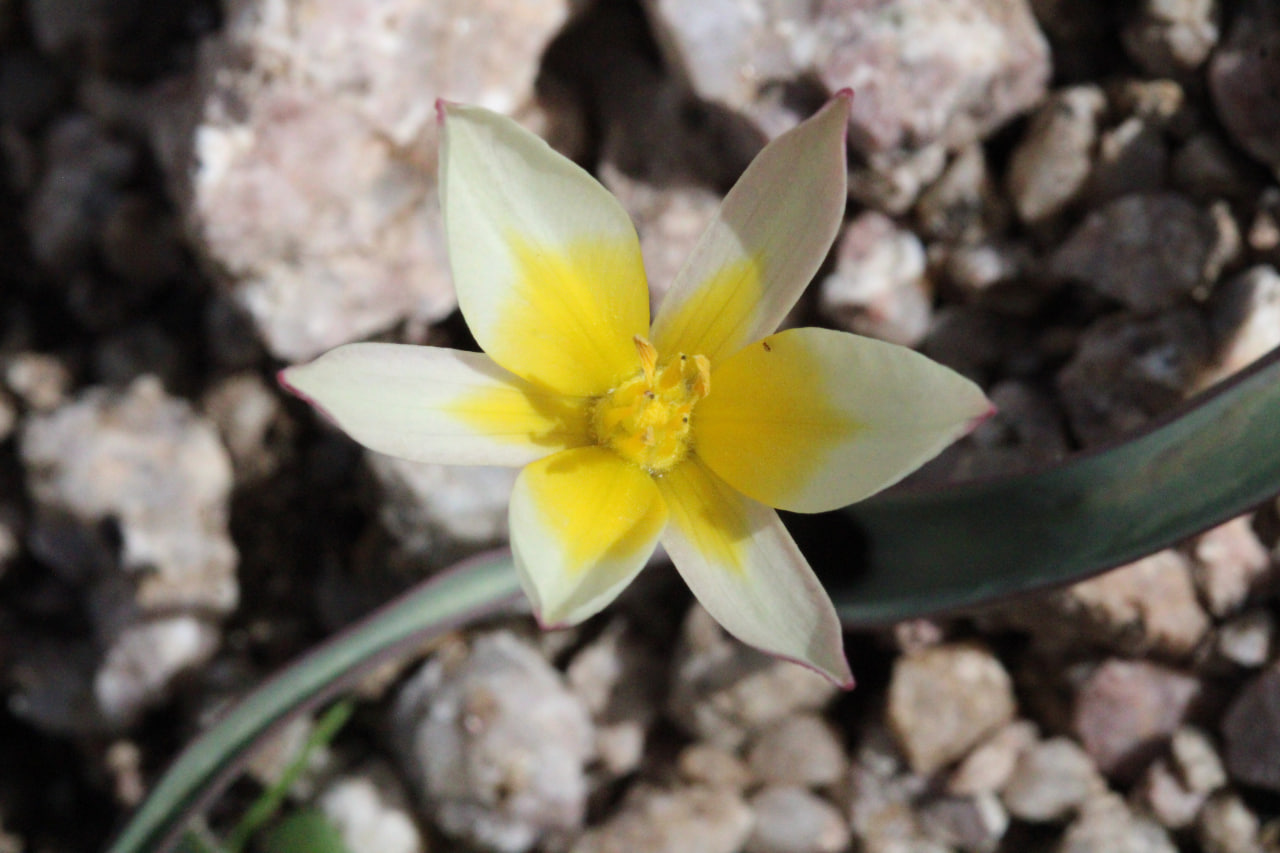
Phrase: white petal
(810,419)
(545,261)
(765,244)
(747,572)
(583,523)
(437,405)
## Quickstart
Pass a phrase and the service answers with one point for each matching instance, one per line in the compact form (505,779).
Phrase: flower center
(647,419)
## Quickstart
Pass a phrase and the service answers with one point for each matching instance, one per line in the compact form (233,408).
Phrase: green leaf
(479,587)
(304,831)
(266,806)
(958,547)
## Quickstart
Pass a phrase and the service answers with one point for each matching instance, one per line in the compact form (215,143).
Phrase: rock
(881,810)
(1230,562)
(249,418)
(944,700)
(144,658)
(792,820)
(673,821)
(1107,824)
(1132,159)
(1146,607)
(963,205)
(1051,781)
(38,380)
(144,462)
(1196,760)
(1126,711)
(1127,370)
(1244,318)
(890,181)
(1167,797)
(669,221)
(1227,826)
(722,690)
(878,287)
(991,763)
(617,676)
(969,340)
(1243,75)
(494,744)
(441,512)
(1251,732)
(1148,251)
(946,72)
(712,767)
(1171,37)
(969,823)
(983,266)
(1053,161)
(370,812)
(1206,167)
(800,751)
(1247,639)
(303,153)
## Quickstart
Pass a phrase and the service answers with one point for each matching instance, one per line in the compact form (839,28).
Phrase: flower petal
(811,419)
(769,238)
(437,405)
(748,573)
(545,261)
(583,523)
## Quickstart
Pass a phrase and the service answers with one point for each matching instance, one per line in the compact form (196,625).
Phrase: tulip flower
(688,431)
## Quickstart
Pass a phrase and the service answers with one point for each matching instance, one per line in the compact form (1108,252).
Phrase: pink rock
(1126,711)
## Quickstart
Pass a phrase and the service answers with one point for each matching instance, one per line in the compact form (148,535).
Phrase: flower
(688,431)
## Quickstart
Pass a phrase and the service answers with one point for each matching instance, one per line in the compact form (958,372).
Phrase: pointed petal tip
(442,108)
(841,677)
(845,94)
(974,423)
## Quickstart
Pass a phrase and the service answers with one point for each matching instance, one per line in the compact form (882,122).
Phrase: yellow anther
(647,418)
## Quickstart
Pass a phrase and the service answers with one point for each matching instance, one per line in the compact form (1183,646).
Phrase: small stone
(1106,823)
(969,823)
(1126,711)
(246,413)
(618,677)
(142,661)
(713,767)
(890,181)
(1171,37)
(1126,370)
(792,820)
(1148,251)
(944,700)
(494,744)
(1167,797)
(881,810)
(1227,825)
(1054,159)
(1207,167)
(963,205)
(40,381)
(370,811)
(1251,732)
(442,512)
(1144,607)
(669,222)
(722,690)
(1243,74)
(1244,317)
(991,763)
(1132,157)
(878,285)
(981,267)
(1196,760)
(673,821)
(1230,562)
(1051,781)
(801,751)
(1247,639)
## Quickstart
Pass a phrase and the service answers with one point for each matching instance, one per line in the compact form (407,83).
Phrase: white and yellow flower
(687,431)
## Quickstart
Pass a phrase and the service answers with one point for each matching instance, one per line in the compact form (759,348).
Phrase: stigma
(648,419)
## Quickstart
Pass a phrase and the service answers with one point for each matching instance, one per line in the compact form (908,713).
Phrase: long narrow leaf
(477,588)
(923,552)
